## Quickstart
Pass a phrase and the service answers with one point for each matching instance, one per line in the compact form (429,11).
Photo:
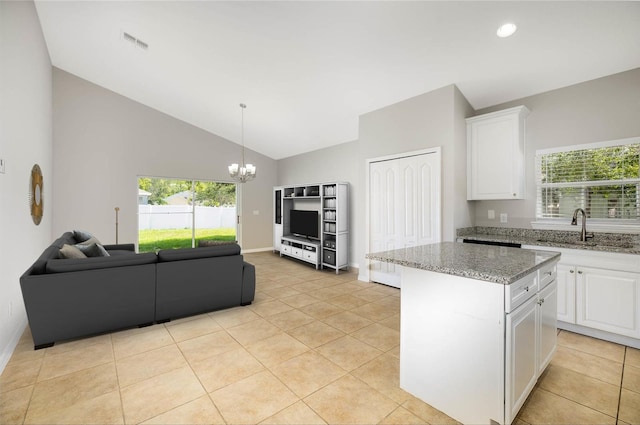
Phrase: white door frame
(363,273)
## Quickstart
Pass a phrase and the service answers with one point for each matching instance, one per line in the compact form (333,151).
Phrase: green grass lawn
(153,240)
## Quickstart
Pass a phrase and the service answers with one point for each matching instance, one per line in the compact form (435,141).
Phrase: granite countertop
(604,242)
(481,262)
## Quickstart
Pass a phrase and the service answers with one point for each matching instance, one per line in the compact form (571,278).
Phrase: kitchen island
(477,326)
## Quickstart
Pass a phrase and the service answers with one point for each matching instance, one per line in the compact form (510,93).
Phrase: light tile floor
(314,348)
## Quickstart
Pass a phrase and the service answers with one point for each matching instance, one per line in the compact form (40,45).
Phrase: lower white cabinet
(547,325)
(567,293)
(608,300)
(535,320)
(522,368)
(599,294)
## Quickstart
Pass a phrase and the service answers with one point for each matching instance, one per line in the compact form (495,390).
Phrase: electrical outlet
(491,214)
(256,212)
(2,166)
(503,217)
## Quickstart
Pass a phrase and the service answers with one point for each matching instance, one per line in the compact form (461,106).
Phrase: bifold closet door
(404,208)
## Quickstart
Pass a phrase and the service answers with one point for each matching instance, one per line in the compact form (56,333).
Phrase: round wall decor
(35,194)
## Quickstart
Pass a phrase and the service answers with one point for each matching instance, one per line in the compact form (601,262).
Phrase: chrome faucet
(574,222)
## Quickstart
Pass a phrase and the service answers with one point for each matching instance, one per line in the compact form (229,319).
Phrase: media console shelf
(302,249)
(331,201)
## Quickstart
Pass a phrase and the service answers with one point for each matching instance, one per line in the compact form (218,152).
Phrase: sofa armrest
(248,283)
(120,247)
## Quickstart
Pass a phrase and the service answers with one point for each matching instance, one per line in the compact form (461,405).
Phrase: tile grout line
(115,365)
(624,358)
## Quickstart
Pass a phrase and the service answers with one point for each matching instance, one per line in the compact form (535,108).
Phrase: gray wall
(104,141)
(434,119)
(429,120)
(336,163)
(25,139)
(603,109)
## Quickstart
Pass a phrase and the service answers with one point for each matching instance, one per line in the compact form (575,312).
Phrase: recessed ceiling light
(506,30)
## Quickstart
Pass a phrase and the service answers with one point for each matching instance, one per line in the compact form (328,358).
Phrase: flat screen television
(304,223)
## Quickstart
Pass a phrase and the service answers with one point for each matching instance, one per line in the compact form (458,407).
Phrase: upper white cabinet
(495,155)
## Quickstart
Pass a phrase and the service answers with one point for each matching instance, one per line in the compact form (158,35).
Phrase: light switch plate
(503,217)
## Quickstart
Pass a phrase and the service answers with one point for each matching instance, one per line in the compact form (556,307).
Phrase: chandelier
(244,172)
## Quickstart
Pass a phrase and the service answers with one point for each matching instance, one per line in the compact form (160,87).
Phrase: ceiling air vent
(135,42)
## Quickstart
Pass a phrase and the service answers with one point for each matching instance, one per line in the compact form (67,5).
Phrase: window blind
(602,179)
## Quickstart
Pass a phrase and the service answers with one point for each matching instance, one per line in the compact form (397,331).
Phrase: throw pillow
(70,251)
(82,236)
(92,249)
(89,241)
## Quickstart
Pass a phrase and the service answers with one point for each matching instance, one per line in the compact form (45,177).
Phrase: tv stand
(331,201)
(301,248)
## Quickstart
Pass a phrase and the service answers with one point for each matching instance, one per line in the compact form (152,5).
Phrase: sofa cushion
(92,249)
(194,253)
(120,247)
(70,251)
(62,266)
(203,243)
(117,252)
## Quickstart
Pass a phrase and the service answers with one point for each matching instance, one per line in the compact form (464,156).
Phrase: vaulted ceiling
(307,70)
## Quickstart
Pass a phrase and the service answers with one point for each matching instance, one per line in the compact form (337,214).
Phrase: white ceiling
(307,70)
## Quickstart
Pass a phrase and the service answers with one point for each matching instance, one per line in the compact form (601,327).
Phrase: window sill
(591,227)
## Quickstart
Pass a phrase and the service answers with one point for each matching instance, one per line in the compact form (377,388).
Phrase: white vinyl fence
(179,217)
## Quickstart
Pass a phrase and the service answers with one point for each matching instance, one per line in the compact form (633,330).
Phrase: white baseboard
(249,251)
(596,333)
(7,351)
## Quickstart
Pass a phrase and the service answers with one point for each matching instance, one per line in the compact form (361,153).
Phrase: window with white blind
(601,178)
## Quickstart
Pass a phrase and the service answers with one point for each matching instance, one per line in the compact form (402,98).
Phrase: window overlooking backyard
(602,178)
(175,213)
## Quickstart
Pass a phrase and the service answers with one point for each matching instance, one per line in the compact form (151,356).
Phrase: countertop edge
(487,277)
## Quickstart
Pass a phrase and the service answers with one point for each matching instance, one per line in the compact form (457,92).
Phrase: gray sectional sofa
(68,298)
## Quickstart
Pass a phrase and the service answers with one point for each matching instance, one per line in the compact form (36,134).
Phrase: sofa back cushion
(195,253)
(72,265)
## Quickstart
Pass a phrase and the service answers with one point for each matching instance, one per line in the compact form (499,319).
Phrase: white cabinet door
(608,300)
(566,293)
(547,325)
(495,155)
(521,356)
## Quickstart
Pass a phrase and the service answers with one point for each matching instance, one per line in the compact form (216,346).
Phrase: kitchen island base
(465,351)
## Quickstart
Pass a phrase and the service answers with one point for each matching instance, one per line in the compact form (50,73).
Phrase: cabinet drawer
(309,255)
(296,252)
(520,291)
(286,249)
(546,275)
